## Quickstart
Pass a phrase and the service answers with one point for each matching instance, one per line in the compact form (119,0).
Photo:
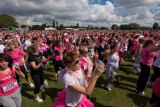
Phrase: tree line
(7,20)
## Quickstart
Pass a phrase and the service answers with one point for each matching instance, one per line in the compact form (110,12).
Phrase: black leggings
(58,64)
(38,79)
(143,77)
(155,99)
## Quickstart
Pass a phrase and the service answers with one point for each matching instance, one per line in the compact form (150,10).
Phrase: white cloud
(69,12)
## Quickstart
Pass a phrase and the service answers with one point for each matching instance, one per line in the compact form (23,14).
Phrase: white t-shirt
(73,97)
(2,48)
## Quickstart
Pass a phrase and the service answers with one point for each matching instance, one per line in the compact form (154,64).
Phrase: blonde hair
(69,57)
(82,49)
(32,49)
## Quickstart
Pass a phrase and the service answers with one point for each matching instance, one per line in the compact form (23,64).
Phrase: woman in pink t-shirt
(58,56)
(86,62)
(147,55)
(10,95)
(17,56)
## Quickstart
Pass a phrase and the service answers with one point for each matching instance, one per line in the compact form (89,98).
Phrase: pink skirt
(60,101)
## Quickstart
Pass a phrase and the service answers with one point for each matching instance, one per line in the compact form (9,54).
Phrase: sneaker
(42,89)
(109,89)
(141,93)
(138,69)
(38,99)
(134,71)
(45,83)
(31,85)
(133,58)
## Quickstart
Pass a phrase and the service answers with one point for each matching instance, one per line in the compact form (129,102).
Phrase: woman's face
(12,47)
(85,52)
(3,64)
(75,65)
(38,49)
(151,45)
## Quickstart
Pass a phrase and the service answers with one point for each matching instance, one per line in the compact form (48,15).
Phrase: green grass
(122,94)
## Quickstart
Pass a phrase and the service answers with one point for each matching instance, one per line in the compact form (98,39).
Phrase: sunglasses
(77,61)
(86,52)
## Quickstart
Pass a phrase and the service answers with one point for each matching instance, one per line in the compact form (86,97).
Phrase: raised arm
(88,90)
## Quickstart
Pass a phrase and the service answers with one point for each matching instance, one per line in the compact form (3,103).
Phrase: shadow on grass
(130,79)
(93,100)
(24,90)
(138,100)
(49,77)
(51,92)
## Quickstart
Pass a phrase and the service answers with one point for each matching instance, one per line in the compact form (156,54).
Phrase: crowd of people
(79,58)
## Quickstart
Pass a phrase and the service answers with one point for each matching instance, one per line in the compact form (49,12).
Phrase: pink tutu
(60,101)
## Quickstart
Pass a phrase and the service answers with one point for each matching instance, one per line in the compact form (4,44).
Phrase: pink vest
(8,83)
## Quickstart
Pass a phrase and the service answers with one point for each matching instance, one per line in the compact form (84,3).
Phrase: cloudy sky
(85,12)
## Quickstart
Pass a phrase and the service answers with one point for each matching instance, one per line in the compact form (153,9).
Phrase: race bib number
(9,86)
(16,63)
(67,40)
(61,57)
(85,67)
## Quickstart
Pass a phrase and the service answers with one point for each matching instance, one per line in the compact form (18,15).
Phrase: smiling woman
(10,95)
(76,83)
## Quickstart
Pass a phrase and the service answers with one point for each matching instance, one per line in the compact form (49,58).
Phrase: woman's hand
(17,69)
(99,70)
(43,60)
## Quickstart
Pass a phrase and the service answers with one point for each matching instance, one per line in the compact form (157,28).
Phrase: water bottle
(98,62)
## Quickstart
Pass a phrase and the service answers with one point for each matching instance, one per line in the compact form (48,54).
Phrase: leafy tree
(53,24)
(61,27)
(155,26)
(43,26)
(123,27)
(114,26)
(134,26)
(36,27)
(6,20)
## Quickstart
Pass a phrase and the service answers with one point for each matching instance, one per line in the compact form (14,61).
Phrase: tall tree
(53,24)
(56,24)
(155,26)
(77,25)
(6,20)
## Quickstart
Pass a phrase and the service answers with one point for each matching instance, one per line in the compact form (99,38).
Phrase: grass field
(122,94)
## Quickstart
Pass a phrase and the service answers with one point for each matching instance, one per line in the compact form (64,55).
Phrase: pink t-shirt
(57,57)
(147,57)
(156,87)
(5,81)
(70,47)
(17,56)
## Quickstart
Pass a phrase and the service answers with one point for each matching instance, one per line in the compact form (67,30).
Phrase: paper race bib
(85,67)
(16,63)
(10,85)
(67,40)
(61,57)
